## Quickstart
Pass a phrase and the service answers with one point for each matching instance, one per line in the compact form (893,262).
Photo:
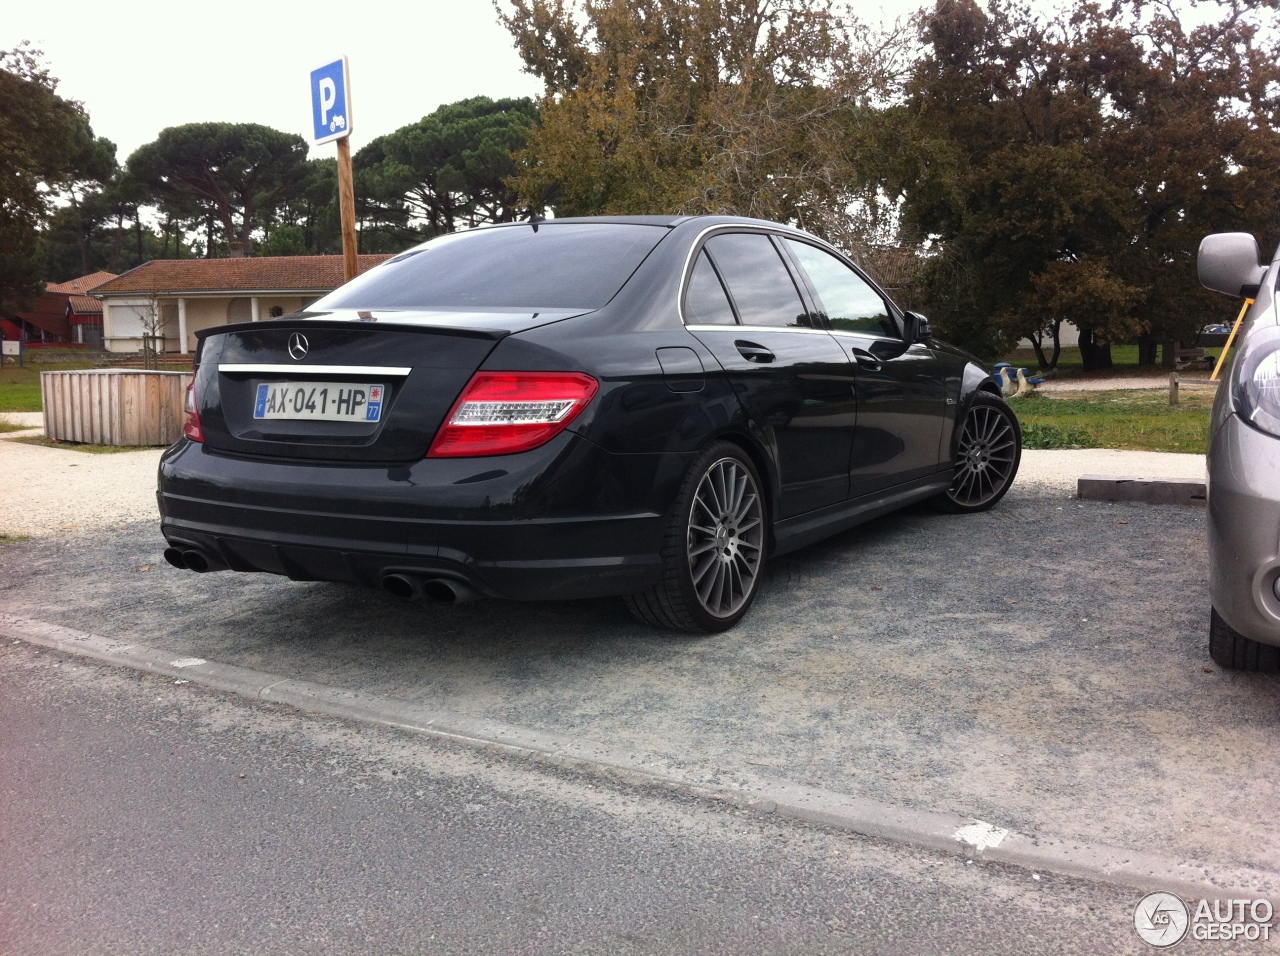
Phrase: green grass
(20,386)
(7,426)
(1136,420)
(12,538)
(80,446)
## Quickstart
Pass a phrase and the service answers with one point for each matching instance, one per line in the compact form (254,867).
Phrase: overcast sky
(141,65)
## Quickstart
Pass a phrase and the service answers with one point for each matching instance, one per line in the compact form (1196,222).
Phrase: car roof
(670,221)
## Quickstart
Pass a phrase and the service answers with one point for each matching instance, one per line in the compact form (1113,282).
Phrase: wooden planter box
(114,406)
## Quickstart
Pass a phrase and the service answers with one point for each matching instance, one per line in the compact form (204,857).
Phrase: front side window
(851,303)
(706,302)
(758,280)
(556,266)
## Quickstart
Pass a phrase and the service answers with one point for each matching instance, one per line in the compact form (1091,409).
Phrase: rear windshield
(560,266)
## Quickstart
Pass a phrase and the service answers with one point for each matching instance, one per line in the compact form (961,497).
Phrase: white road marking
(188,662)
(981,836)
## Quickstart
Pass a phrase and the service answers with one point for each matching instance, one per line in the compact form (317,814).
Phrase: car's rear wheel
(987,455)
(1233,651)
(713,547)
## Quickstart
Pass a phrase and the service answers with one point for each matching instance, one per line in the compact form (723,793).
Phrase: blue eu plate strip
(260,406)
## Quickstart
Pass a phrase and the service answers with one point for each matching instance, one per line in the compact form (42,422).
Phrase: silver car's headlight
(1257,387)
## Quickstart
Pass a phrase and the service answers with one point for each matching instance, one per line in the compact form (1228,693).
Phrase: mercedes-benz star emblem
(298,346)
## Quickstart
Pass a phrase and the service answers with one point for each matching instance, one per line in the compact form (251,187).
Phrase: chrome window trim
(756,328)
(232,368)
(849,333)
(819,244)
(687,274)
(782,232)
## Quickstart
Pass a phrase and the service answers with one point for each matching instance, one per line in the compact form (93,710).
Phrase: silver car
(1244,464)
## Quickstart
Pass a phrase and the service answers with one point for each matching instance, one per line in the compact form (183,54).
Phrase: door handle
(866,360)
(753,352)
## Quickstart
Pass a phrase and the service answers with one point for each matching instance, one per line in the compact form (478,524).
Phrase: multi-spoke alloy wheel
(987,455)
(713,547)
(726,538)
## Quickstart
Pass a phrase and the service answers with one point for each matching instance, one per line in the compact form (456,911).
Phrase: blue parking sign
(331,101)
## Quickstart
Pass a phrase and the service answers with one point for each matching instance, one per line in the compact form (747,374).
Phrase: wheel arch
(974,379)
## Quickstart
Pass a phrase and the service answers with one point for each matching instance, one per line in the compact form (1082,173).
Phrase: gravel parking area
(60,490)
(1041,666)
(1192,380)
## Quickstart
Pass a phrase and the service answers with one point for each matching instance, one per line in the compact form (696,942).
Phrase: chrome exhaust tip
(407,587)
(200,562)
(412,587)
(446,591)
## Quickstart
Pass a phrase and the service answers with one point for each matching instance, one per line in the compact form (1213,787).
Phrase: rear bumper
(1244,529)
(568,520)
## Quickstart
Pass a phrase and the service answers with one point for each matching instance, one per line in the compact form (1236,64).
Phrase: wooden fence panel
(114,406)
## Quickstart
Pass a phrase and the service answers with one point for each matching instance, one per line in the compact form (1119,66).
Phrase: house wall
(1068,336)
(204,312)
(123,317)
(123,322)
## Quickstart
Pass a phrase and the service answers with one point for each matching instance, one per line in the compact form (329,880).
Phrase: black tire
(711,570)
(988,451)
(1231,650)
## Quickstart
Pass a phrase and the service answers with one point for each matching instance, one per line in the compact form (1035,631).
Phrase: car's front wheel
(988,451)
(1233,651)
(713,548)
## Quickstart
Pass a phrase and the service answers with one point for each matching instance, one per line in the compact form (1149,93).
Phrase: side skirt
(794,533)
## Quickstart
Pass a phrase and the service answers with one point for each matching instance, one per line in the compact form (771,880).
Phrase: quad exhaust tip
(413,587)
(402,584)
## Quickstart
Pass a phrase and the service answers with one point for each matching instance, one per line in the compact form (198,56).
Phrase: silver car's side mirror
(1229,262)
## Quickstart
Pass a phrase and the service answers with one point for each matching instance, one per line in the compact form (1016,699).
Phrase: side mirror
(917,327)
(1229,262)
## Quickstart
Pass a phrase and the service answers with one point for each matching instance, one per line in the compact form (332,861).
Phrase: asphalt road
(146,816)
(1042,667)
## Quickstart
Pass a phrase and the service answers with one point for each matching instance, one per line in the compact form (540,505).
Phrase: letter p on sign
(328,96)
(331,101)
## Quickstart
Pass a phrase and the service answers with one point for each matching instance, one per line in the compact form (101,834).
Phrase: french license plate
(319,401)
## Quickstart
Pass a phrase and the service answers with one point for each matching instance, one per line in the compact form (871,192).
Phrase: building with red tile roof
(64,315)
(174,298)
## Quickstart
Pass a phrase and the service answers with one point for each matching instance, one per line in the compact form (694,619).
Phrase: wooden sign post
(347,205)
(331,120)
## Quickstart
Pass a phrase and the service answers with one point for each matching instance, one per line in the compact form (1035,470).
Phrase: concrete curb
(1153,491)
(946,833)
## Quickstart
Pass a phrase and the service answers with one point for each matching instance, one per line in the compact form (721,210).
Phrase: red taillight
(501,413)
(191,429)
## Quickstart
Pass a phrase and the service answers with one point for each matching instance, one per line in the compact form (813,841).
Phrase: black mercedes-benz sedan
(641,406)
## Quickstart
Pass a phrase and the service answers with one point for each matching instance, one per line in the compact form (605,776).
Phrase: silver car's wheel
(713,548)
(726,538)
(1233,650)
(987,455)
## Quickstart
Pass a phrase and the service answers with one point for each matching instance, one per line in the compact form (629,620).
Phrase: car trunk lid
(411,365)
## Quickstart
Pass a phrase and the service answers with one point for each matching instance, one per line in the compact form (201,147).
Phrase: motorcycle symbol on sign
(337,123)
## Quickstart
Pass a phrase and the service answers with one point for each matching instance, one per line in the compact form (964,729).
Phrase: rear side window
(851,303)
(706,303)
(758,280)
(560,266)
